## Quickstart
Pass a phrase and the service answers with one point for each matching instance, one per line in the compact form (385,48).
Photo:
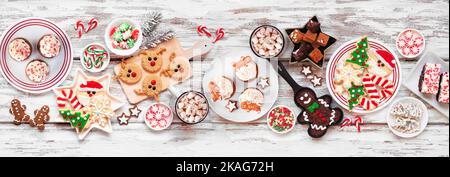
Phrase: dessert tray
(36,72)
(363,82)
(412,81)
(230,108)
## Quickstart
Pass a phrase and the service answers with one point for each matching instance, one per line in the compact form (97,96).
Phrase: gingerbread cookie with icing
(18,111)
(130,73)
(317,112)
(152,61)
(151,87)
(40,117)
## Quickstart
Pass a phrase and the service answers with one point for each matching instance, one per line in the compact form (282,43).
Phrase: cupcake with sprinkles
(49,46)
(20,49)
(37,71)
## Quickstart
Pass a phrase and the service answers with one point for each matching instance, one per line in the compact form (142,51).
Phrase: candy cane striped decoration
(367,103)
(386,85)
(70,98)
(370,88)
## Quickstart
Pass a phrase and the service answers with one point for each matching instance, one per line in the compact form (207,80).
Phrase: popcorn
(192,107)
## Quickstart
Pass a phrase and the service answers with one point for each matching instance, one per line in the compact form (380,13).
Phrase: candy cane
(203,29)
(220,33)
(79,26)
(68,97)
(346,122)
(358,121)
(92,24)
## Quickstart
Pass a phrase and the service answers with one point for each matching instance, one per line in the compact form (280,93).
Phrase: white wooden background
(344,19)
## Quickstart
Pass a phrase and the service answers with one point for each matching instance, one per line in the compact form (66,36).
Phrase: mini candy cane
(203,29)
(92,25)
(220,33)
(357,122)
(346,122)
(79,26)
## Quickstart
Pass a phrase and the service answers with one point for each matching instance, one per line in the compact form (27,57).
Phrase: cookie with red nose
(151,86)
(130,73)
(152,61)
(317,112)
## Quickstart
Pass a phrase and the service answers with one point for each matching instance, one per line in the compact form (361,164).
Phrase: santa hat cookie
(386,57)
(91,86)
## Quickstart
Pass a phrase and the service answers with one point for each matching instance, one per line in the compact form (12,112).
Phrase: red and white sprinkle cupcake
(37,70)
(49,46)
(19,49)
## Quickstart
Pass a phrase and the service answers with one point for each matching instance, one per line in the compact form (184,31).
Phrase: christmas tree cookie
(360,54)
(76,119)
(355,92)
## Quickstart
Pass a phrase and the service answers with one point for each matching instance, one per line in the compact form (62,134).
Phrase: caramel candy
(310,36)
(296,36)
(322,39)
(316,55)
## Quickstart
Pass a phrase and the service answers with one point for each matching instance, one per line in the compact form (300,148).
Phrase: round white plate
(341,54)
(117,22)
(32,29)
(223,67)
(423,120)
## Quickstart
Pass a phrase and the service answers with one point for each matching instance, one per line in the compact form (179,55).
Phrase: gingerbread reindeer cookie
(177,69)
(40,117)
(317,112)
(152,61)
(18,111)
(151,86)
(130,73)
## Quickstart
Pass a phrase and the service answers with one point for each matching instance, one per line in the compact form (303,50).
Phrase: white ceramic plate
(117,22)
(412,82)
(423,121)
(223,67)
(32,29)
(341,54)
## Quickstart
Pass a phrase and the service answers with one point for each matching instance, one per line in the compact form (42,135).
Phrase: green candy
(118,36)
(124,27)
(130,43)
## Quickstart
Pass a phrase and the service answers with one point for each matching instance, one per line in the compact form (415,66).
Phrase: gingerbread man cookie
(317,112)
(178,68)
(152,61)
(130,73)
(18,111)
(151,87)
(40,117)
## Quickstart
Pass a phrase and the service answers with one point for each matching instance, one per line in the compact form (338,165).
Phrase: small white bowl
(286,131)
(95,70)
(400,51)
(169,122)
(108,42)
(423,119)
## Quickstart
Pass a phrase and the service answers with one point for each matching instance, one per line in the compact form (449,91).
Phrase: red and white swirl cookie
(19,49)
(37,70)
(49,46)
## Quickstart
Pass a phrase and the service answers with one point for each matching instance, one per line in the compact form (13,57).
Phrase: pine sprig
(152,36)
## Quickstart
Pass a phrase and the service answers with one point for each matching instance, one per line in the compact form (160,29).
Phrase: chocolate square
(299,55)
(306,47)
(313,26)
(322,39)
(310,36)
(296,36)
(316,55)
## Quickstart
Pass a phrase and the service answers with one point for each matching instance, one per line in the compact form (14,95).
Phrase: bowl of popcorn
(267,41)
(192,107)
(123,36)
(407,117)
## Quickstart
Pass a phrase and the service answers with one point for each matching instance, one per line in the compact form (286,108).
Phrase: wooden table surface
(343,19)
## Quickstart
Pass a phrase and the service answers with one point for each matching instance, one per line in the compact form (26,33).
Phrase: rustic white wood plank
(219,140)
(344,19)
